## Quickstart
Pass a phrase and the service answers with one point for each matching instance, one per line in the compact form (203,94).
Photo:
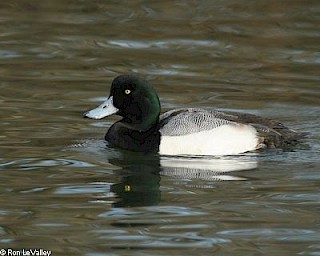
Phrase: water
(63,189)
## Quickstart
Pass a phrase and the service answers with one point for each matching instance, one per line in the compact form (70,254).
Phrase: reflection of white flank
(205,169)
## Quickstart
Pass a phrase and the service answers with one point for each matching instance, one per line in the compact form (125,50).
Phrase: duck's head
(132,98)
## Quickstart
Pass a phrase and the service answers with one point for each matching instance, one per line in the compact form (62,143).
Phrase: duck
(183,131)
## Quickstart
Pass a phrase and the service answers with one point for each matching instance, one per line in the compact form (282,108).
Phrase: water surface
(64,189)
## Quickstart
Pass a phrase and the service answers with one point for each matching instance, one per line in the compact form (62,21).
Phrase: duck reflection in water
(140,180)
(141,174)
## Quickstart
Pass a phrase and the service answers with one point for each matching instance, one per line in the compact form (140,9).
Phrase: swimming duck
(185,131)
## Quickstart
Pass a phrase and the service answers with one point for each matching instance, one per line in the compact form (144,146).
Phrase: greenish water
(63,189)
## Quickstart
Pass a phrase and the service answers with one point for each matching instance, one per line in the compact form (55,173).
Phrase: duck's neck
(144,115)
(142,122)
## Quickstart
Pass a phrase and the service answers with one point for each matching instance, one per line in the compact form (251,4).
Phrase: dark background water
(63,189)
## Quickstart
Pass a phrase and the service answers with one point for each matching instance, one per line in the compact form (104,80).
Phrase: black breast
(120,135)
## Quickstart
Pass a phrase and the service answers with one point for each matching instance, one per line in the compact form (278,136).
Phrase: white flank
(225,140)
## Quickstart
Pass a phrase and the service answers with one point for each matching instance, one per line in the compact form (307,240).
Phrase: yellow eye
(127,91)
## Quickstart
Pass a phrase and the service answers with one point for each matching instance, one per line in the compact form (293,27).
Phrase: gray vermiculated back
(190,120)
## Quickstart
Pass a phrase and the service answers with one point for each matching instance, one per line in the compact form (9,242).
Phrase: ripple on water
(91,188)
(149,227)
(163,44)
(120,239)
(182,241)
(153,212)
(273,234)
(36,163)
(145,216)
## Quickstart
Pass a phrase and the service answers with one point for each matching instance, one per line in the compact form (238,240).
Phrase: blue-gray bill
(105,109)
